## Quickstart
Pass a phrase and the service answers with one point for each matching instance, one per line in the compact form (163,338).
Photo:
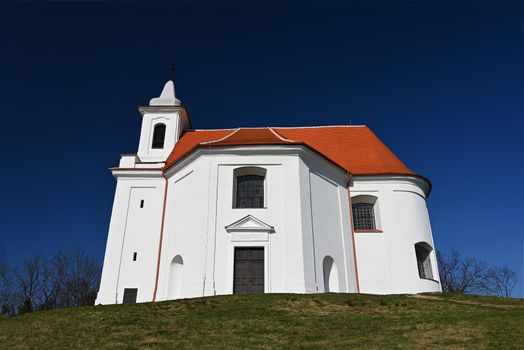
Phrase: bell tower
(163,122)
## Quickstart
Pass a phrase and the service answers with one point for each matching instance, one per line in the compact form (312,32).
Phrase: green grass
(278,321)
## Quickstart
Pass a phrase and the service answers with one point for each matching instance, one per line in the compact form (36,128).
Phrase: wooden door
(249,271)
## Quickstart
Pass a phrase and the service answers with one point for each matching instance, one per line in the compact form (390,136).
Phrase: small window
(249,191)
(142,203)
(423,252)
(363,216)
(134,256)
(159,134)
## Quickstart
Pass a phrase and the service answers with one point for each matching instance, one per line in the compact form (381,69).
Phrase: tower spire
(167,97)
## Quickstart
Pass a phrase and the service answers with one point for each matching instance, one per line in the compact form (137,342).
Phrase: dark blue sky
(441,83)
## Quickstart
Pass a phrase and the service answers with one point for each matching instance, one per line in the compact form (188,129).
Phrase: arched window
(365,212)
(423,253)
(249,187)
(159,135)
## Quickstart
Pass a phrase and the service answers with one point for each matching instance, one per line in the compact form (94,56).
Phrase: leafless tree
(461,275)
(69,279)
(448,267)
(500,281)
(52,282)
(6,291)
(81,277)
(471,275)
(28,283)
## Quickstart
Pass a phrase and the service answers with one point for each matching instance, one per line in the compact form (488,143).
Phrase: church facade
(263,210)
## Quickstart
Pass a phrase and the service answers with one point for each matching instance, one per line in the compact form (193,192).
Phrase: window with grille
(364,216)
(424,261)
(159,134)
(250,191)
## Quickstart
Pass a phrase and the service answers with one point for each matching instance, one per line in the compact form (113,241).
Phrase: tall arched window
(249,187)
(423,253)
(365,213)
(159,135)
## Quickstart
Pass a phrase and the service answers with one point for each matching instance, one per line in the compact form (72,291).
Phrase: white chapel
(263,210)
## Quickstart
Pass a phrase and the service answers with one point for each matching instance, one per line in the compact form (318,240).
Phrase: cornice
(160,109)
(418,181)
(138,173)
(165,109)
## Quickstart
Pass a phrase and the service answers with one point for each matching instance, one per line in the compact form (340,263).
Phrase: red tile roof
(354,148)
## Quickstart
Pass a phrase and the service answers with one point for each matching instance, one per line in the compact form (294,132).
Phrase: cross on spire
(172,71)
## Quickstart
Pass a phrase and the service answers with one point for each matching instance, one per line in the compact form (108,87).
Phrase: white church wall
(200,206)
(414,225)
(197,215)
(185,232)
(134,228)
(311,282)
(225,243)
(330,230)
(347,238)
(306,207)
(386,260)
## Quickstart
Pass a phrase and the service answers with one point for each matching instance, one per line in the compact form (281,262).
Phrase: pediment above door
(250,223)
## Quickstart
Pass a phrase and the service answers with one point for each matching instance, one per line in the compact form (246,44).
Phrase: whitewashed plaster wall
(200,207)
(386,260)
(197,214)
(132,229)
(306,205)
(326,227)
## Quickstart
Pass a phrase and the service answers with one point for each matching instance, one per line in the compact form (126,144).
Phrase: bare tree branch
(28,281)
(81,278)
(448,266)
(6,291)
(500,281)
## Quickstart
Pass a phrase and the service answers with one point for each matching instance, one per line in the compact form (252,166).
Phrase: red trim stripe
(161,238)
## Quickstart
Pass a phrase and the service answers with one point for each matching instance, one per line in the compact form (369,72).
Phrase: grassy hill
(278,321)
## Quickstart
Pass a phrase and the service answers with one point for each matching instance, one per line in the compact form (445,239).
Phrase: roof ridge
(220,139)
(319,126)
(230,129)
(286,127)
(280,136)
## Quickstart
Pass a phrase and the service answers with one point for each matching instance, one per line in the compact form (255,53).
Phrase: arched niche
(330,275)
(175,278)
